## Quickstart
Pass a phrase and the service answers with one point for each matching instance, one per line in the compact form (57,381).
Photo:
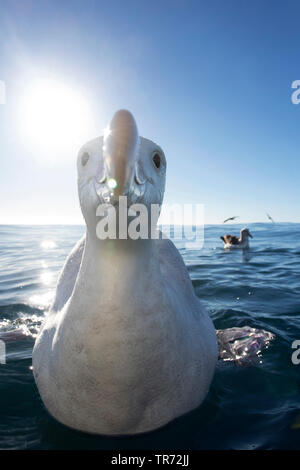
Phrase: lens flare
(111,183)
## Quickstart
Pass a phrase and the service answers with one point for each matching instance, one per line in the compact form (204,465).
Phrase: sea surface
(249,406)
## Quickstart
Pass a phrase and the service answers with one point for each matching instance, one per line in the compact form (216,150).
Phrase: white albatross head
(120,163)
(245,234)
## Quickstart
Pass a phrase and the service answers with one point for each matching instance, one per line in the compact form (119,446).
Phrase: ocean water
(249,406)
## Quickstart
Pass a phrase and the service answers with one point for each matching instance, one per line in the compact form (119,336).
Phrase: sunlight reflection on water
(48,245)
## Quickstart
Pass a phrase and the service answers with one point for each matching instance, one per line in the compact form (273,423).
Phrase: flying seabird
(231,218)
(231,241)
(270,218)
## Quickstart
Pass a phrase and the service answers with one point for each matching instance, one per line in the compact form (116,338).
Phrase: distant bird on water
(231,218)
(270,218)
(231,241)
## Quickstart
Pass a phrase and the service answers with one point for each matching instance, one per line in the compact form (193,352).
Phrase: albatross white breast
(126,346)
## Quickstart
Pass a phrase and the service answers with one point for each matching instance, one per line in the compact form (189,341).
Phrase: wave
(19,321)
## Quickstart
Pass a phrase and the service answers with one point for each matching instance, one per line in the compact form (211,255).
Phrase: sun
(55,119)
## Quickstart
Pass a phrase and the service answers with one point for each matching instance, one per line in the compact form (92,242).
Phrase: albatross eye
(85,158)
(156,160)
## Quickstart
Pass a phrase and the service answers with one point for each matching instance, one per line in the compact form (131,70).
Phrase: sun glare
(55,119)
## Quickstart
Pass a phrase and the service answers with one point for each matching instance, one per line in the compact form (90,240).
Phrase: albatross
(270,218)
(231,241)
(126,346)
(231,218)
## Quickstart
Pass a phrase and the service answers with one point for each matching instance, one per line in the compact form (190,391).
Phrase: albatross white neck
(116,269)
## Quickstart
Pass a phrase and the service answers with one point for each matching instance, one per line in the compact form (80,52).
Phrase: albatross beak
(250,234)
(120,148)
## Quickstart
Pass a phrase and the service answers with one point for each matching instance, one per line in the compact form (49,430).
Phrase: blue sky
(210,81)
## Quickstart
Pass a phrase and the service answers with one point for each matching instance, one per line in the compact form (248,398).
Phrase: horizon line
(175,225)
